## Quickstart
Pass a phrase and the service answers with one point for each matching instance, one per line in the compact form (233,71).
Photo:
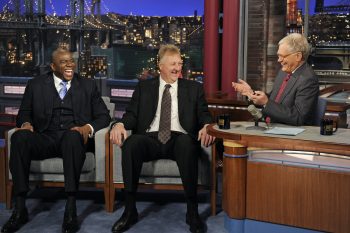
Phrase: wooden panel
(234,190)
(303,197)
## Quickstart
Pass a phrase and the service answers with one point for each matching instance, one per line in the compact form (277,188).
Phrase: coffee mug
(223,121)
(327,127)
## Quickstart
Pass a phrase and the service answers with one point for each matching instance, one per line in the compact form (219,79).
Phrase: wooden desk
(297,196)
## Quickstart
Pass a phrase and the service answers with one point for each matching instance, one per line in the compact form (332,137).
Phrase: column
(211,46)
(230,42)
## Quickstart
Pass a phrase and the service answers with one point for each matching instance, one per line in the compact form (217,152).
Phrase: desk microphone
(256,113)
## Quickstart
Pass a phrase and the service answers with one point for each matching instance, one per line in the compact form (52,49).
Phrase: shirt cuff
(91,135)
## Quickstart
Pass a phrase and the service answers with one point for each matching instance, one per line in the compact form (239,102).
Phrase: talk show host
(58,114)
(294,96)
(168,117)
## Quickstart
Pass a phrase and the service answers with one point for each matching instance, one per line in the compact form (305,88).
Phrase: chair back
(320,111)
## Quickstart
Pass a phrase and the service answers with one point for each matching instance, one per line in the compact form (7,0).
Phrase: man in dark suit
(160,132)
(58,114)
(294,96)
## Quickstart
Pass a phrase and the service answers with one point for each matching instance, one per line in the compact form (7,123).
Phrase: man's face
(170,67)
(288,60)
(63,65)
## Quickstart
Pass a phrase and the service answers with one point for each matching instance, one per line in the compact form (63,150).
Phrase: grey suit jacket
(298,103)
(193,108)
(37,103)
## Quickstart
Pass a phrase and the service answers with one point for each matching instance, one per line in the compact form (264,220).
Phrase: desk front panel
(297,196)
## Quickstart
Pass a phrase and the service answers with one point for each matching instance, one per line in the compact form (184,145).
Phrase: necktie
(282,87)
(279,94)
(165,116)
(63,90)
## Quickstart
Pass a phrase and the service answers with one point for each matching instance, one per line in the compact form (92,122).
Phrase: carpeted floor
(159,211)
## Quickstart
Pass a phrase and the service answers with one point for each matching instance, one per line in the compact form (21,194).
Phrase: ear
(160,65)
(52,66)
(299,56)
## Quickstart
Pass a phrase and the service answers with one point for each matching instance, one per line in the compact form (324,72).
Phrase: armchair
(160,174)
(49,172)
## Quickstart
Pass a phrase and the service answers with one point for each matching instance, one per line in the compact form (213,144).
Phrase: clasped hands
(118,134)
(257,97)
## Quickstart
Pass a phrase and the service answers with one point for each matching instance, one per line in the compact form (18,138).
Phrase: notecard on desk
(284,131)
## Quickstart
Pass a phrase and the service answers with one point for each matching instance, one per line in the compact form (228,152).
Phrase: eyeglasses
(282,57)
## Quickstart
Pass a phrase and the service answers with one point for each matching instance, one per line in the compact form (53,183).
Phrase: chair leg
(111,199)
(9,195)
(107,199)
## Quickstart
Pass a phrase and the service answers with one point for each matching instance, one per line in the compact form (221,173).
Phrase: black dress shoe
(127,219)
(196,224)
(16,221)
(70,223)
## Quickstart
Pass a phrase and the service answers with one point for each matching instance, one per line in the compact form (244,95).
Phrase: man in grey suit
(294,96)
(168,117)
(58,114)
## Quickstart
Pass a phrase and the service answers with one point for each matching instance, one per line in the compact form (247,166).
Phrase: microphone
(256,113)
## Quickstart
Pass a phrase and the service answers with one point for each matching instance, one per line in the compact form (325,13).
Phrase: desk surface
(308,140)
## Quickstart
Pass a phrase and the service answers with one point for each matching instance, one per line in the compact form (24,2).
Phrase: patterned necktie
(165,116)
(63,90)
(282,87)
(279,94)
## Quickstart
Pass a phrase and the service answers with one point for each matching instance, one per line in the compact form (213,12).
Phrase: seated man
(168,117)
(58,114)
(293,99)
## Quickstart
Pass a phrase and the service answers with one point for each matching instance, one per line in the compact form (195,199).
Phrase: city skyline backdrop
(127,7)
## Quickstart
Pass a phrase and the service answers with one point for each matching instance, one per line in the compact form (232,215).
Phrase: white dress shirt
(175,122)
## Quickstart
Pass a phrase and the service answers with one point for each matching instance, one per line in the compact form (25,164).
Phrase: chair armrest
(100,154)
(8,141)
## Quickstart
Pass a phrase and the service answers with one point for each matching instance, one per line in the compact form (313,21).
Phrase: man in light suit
(294,96)
(58,114)
(189,119)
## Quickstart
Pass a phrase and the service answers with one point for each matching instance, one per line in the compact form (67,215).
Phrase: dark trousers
(143,148)
(27,146)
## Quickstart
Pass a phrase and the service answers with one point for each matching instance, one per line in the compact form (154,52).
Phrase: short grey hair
(297,43)
(168,48)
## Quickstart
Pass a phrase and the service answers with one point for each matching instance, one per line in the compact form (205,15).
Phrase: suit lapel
(48,94)
(154,95)
(182,96)
(291,83)
(75,93)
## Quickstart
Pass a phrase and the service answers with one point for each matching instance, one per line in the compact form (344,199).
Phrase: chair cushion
(161,167)
(55,165)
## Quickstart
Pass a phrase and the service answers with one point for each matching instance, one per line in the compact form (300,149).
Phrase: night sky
(136,7)
(154,7)
(301,4)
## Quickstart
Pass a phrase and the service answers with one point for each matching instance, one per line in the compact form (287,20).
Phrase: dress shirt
(175,122)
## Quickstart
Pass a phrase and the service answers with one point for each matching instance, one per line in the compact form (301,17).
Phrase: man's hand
(84,131)
(118,134)
(243,88)
(26,126)
(205,138)
(259,98)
